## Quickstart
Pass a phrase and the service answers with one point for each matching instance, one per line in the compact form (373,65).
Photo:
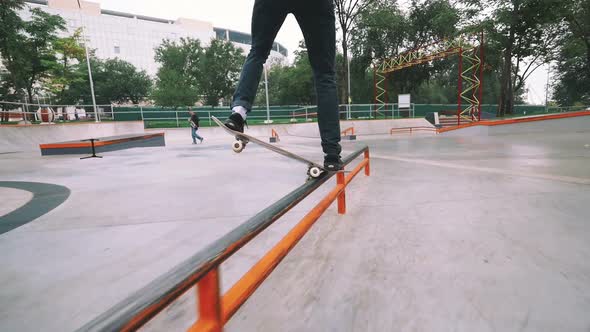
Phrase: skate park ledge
(104,144)
(492,123)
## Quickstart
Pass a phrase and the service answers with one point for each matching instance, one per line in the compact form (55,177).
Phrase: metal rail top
(181,278)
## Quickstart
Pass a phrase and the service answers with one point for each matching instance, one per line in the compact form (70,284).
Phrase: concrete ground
(450,233)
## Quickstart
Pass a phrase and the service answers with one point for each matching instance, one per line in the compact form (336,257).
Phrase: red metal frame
(460,87)
(481,68)
(467,47)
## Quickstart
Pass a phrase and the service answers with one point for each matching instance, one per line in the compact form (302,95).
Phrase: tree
(122,82)
(36,51)
(573,85)
(347,12)
(11,36)
(573,65)
(115,81)
(432,21)
(383,31)
(64,71)
(220,66)
(526,31)
(290,84)
(178,76)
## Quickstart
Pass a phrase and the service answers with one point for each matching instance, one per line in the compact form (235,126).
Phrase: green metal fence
(160,117)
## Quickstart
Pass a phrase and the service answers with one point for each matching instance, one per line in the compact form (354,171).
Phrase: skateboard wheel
(238,146)
(315,172)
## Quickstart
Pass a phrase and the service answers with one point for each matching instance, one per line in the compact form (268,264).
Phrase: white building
(131,37)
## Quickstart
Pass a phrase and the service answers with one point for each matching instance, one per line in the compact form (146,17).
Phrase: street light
(96,116)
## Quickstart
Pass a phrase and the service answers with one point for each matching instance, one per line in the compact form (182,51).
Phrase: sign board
(403,101)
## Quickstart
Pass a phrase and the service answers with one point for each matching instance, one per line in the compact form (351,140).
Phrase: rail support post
(209,304)
(341,181)
(368,166)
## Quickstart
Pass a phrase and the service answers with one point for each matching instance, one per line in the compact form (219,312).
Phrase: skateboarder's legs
(318,24)
(267,18)
(195,135)
(317,21)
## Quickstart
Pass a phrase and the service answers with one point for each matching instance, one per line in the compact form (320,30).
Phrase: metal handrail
(137,309)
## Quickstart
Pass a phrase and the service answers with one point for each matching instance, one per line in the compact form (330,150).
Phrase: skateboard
(314,170)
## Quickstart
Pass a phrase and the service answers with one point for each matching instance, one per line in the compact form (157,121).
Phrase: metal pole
(349,98)
(141,112)
(547,89)
(27,107)
(23,110)
(481,69)
(267,101)
(96,116)
(460,87)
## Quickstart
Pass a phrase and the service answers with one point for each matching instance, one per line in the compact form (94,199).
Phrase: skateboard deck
(242,139)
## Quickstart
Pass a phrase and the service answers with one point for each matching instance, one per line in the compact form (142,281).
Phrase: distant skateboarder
(317,21)
(194,122)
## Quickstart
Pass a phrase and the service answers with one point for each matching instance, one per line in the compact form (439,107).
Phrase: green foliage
(11,35)
(521,36)
(290,85)
(178,77)
(189,71)
(26,47)
(220,67)
(431,21)
(121,82)
(573,86)
(380,32)
(383,30)
(525,32)
(64,71)
(37,52)
(115,81)
(573,61)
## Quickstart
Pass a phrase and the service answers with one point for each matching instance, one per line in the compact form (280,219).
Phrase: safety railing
(348,131)
(412,129)
(22,113)
(274,135)
(203,269)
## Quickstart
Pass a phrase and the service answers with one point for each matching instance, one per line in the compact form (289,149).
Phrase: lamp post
(268,120)
(96,116)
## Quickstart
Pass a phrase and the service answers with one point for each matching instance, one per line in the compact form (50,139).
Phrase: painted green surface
(46,197)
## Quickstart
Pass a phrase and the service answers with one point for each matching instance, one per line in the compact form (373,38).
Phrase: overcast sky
(236,15)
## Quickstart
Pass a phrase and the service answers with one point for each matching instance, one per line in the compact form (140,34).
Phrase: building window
(117,50)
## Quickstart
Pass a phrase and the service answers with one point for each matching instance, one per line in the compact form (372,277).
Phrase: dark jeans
(318,24)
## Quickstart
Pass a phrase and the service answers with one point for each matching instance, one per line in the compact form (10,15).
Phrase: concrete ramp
(304,130)
(29,137)
(361,127)
(548,124)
